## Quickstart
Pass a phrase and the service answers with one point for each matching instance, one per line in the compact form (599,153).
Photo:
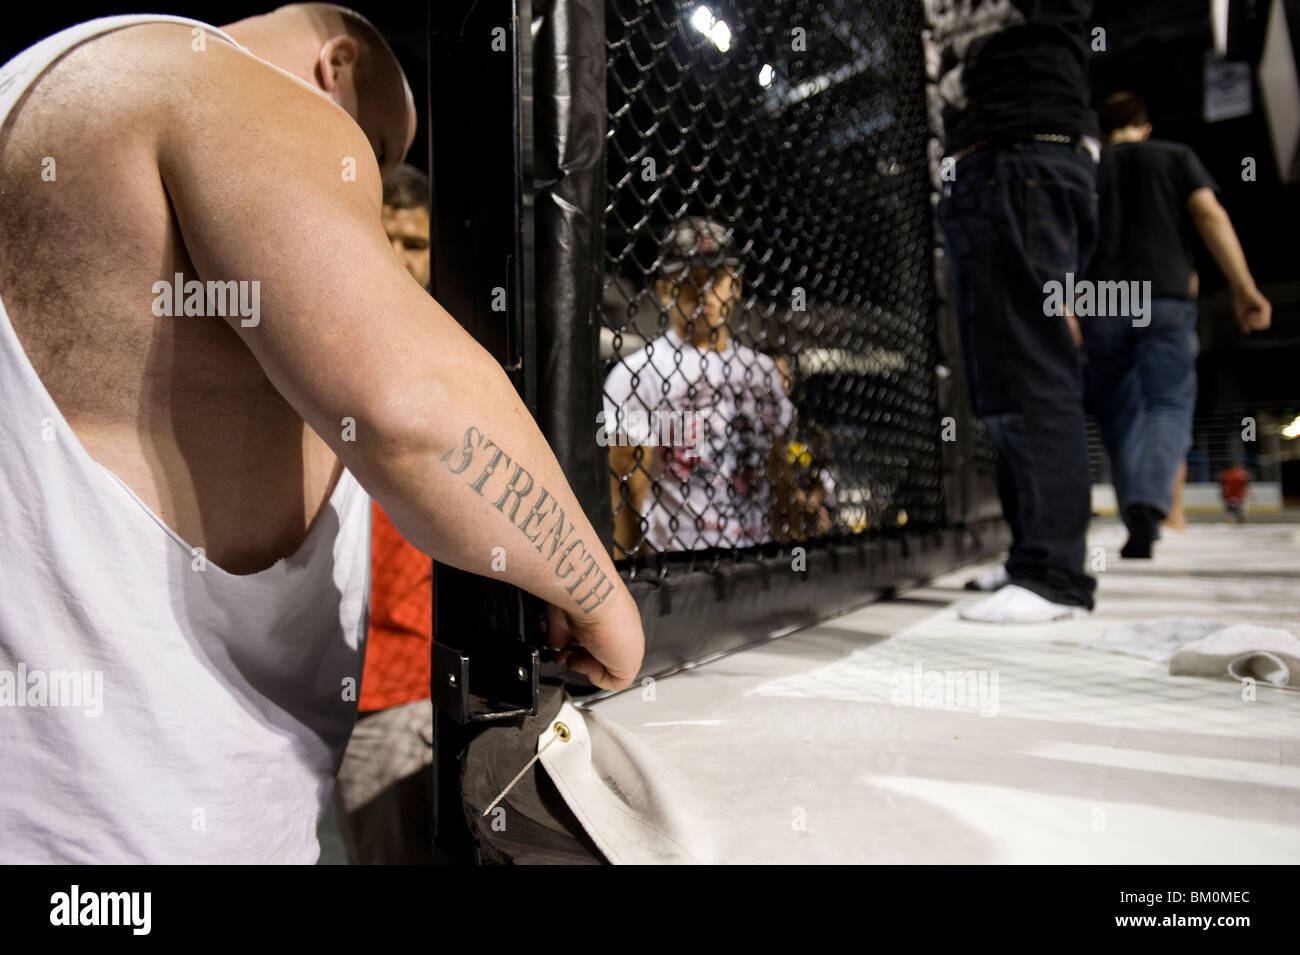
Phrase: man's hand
(1254,313)
(814,517)
(607,649)
(1076,333)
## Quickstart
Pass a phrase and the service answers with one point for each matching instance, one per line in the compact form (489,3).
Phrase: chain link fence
(768,341)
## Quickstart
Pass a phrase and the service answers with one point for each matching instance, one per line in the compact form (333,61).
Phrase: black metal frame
(485,665)
(745,599)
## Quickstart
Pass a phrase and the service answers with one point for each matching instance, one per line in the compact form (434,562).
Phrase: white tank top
(151,711)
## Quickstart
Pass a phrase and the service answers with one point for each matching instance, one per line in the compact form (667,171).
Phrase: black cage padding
(569,191)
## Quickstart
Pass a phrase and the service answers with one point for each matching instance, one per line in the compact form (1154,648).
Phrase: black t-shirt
(1146,230)
(1008,69)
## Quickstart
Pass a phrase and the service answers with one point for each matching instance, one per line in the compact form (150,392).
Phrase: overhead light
(1291,430)
(721,35)
(716,30)
(766,75)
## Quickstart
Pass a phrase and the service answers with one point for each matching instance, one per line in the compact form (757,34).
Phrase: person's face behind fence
(699,300)
(408,231)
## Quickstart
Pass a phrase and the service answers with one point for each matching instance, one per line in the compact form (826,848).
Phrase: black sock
(1143,528)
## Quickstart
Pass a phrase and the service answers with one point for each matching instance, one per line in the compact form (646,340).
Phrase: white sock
(990,580)
(1015,604)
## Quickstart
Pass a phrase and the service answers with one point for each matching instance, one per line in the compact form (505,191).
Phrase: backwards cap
(696,241)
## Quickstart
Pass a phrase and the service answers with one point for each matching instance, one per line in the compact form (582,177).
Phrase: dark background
(402,24)
(1158,49)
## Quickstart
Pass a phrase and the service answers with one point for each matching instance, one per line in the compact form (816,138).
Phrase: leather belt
(1088,143)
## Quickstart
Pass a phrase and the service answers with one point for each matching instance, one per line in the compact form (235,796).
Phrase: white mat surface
(899,733)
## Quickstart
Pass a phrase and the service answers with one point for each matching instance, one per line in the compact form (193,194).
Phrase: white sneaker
(990,580)
(1015,604)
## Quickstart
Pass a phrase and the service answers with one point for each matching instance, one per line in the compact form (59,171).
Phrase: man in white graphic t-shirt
(694,421)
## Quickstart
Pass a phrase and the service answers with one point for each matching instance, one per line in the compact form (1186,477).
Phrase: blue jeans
(1142,386)
(1014,219)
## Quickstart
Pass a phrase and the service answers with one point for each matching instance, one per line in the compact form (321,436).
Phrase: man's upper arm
(1195,175)
(1197,186)
(621,401)
(1203,204)
(785,409)
(274,184)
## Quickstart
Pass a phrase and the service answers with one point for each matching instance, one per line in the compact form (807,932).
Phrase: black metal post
(484,669)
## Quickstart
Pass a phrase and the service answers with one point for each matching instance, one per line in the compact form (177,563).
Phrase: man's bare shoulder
(176,78)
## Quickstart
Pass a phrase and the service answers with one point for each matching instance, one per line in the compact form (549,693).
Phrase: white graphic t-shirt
(707,421)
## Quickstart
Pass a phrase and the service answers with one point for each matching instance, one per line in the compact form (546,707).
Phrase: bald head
(340,53)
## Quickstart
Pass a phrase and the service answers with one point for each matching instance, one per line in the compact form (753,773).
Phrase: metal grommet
(562,732)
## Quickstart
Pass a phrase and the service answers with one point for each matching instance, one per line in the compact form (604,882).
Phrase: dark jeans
(1014,219)
(1142,386)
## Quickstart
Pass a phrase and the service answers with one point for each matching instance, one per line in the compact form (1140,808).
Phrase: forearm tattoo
(543,524)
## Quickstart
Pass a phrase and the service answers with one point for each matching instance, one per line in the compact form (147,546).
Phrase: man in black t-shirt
(1009,79)
(1142,367)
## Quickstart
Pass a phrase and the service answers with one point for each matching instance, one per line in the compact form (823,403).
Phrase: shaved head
(378,63)
(341,53)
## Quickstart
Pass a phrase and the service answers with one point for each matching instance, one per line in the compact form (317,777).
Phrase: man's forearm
(1221,239)
(479,489)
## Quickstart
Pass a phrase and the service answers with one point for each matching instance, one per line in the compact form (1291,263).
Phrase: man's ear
(336,62)
(1146,130)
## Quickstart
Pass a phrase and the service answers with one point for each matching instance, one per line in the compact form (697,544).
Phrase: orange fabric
(397,667)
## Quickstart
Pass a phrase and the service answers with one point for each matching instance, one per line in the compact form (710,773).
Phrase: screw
(523,674)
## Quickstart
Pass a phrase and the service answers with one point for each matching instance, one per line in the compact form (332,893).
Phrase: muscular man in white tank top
(169,483)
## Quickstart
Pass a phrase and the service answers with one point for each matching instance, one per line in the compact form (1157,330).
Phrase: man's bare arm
(273,183)
(628,476)
(1253,311)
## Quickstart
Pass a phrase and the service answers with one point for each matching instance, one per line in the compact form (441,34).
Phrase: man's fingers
(583,662)
(1254,320)
(557,628)
(1076,333)
(1254,311)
